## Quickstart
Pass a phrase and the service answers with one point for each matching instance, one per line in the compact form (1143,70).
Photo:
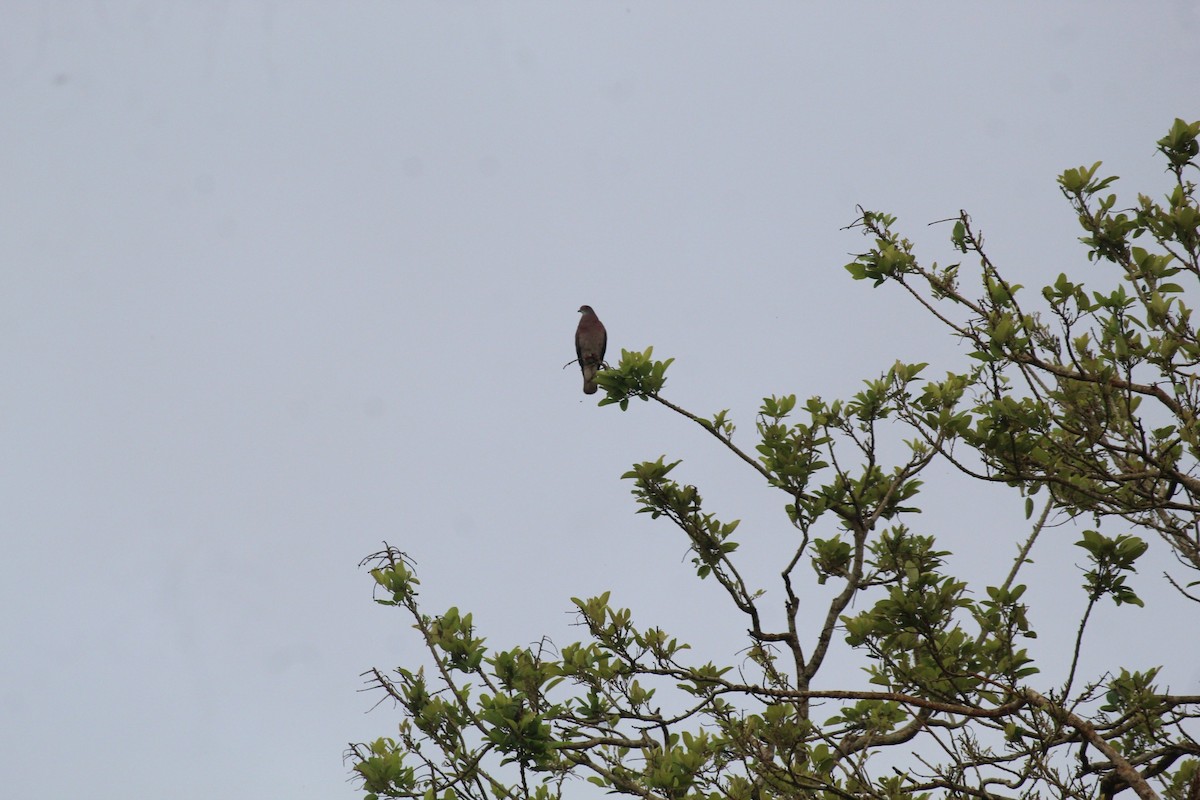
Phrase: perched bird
(590,341)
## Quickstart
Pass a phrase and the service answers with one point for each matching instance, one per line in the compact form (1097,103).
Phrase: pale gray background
(279,281)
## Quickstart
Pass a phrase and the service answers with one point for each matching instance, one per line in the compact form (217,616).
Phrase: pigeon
(590,340)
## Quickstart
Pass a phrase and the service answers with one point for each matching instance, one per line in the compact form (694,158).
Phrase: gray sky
(279,281)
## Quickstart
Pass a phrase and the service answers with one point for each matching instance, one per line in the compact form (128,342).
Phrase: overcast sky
(282,280)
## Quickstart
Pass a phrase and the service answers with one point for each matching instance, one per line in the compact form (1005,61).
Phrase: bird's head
(586,310)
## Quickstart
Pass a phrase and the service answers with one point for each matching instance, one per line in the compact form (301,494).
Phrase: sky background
(281,281)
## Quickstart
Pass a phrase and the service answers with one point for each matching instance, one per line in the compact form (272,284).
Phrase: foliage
(1085,401)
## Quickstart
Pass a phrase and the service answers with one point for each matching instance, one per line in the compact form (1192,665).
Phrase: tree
(1086,402)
